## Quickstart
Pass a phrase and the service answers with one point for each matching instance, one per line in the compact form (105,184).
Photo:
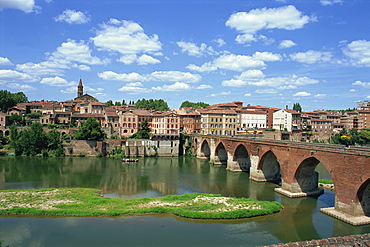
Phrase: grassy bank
(87,202)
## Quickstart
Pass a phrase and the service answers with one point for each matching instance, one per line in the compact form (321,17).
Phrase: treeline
(8,99)
(152,104)
(34,141)
(193,105)
(352,137)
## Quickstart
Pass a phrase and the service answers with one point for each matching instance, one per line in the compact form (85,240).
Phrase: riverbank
(88,202)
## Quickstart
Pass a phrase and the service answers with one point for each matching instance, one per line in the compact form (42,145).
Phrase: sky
(268,52)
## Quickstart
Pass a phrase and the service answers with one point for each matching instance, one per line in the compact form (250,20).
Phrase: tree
(109,103)
(15,118)
(144,132)
(297,107)
(158,105)
(194,105)
(90,130)
(8,99)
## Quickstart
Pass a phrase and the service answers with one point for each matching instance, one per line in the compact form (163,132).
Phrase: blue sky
(269,52)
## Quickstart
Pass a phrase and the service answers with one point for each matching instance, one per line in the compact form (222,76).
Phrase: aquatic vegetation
(88,202)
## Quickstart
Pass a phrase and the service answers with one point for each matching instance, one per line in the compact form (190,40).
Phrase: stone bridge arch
(220,155)
(241,159)
(363,195)
(205,151)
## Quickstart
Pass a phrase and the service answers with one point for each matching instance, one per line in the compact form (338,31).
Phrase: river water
(151,177)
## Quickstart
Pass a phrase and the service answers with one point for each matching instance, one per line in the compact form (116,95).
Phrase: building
(218,121)
(282,120)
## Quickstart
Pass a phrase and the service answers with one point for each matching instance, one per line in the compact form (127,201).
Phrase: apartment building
(252,119)
(218,121)
(165,123)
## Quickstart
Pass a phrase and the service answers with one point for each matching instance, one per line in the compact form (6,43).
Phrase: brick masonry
(354,240)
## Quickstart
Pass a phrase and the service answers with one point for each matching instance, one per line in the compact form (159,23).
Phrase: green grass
(325,181)
(87,202)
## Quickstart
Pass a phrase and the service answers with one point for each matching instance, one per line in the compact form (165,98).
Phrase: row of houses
(220,119)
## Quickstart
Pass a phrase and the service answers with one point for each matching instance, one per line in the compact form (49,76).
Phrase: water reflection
(150,177)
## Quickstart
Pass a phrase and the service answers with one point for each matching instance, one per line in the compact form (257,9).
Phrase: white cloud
(266,56)
(142,60)
(193,50)
(330,2)
(245,38)
(362,84)
(286,17)
(171,76)
(286,44)
(320,95)
(26,6)
(175,76)
(302,94)
(257,78)
(237,62)
(65,57)
(247,94)
(359,52)
(207,67)
(220,42)
(311,57)
(125,37)
(7,76)
(20,87)
(72,17)
(352,90)
(177,86)
(57,82)
(113,76)
(5,61)
(134,89)
(69,90)
(146,59)
(204,87)
(269,91)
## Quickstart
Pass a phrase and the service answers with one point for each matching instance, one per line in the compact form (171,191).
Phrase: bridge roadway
(294,163)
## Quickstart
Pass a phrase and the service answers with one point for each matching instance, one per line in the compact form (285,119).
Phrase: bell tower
(80,89)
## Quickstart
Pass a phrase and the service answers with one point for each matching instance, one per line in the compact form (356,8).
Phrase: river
(151,177)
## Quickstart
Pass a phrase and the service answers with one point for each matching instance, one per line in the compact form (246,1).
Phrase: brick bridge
(294,163)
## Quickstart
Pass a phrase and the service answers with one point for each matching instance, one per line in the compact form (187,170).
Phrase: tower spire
(80,89)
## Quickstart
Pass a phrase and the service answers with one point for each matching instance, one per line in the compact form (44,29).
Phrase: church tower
(80,89)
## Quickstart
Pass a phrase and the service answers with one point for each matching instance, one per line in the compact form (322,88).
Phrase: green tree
(117,103)
(15,119)
(109,103)
(193,105)
(158,105)
(90,130)
(31,141)
(144,132)
(34,115)
(297,107)
(8,99)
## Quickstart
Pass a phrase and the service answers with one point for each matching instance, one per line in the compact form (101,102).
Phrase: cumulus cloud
(320,95)
(311,57)
(26,6)
(177,86)
(65,57)
(57,82)
(7,76)
(286,44)
(220,42)
(21,87)
(72,17)
(330,2)
(204,87)
(194,50)
(125,37)
(286,17)
(362,84)
(134,89)
(266,91)
(172,76)
(257,78)
(220,94)
(5,61)
(358,52)
(140,60)
(302,94)
(237,62)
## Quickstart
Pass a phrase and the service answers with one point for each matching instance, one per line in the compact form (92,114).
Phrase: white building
(252,119)
(282,120)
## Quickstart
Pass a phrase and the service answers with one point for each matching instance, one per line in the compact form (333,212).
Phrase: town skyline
(271,53)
